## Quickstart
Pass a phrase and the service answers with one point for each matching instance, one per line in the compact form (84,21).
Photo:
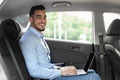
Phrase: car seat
(10,48)
(112,47)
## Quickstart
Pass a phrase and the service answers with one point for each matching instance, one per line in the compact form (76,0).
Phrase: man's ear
(30,19)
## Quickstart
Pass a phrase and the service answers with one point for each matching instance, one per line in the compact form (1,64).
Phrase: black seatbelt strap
(102,54)
(13,57)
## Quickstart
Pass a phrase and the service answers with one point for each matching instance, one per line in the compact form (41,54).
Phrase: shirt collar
(35,32)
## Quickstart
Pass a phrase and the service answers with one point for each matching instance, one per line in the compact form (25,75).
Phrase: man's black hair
(36,7)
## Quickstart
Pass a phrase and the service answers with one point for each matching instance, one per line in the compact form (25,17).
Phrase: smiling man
(37,54)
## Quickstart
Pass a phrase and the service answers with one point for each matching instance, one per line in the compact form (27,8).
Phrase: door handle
(74,48)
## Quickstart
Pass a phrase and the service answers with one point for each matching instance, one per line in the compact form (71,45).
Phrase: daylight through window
(75,26)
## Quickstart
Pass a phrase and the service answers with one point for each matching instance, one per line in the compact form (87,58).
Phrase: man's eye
(38,17)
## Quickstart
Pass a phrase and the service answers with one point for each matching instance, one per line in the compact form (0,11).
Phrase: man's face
(38,20)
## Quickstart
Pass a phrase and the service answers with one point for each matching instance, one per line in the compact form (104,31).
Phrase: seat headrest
(114,28)
(11,28)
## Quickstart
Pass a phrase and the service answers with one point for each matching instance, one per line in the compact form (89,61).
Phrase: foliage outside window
(75,26)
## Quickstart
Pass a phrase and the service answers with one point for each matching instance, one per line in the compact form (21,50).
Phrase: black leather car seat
(112,47)
(11,36)
(6,61)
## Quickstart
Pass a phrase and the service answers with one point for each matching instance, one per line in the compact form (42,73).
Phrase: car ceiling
(12,8)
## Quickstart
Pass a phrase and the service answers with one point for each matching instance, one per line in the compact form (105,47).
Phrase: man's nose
(43,20)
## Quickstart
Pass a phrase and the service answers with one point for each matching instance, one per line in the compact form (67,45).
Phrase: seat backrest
(112,46)
(6,61)
(11,32)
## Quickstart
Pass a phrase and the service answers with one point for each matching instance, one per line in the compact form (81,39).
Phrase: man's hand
(68,70)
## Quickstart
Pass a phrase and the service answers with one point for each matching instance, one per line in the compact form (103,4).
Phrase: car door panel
(69,52)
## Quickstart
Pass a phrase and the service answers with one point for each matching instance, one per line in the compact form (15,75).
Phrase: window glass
(109,17)
(76,26)
(23,21)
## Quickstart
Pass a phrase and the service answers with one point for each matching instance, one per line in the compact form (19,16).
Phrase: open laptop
(87,64)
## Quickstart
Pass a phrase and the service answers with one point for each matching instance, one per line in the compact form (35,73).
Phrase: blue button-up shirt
(37,56)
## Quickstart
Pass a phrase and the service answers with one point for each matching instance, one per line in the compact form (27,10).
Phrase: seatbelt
(102,53)
(13,57)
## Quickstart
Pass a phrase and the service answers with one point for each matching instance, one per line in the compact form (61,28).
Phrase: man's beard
(42,29)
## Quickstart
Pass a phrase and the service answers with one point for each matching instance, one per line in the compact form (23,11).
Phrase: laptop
(87,64)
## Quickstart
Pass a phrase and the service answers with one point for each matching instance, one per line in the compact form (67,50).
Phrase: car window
(75,26)
(23,21)
(109,17)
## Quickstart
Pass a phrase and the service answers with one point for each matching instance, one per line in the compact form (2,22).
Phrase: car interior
(102,30)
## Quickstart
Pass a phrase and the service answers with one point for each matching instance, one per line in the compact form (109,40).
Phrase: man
(37,54)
